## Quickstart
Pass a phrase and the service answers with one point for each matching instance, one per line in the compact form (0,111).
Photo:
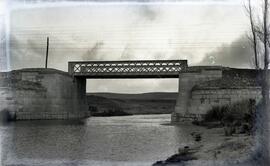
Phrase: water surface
(126,140)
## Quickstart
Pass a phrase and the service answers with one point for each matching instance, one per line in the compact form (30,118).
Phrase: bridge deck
(128,69)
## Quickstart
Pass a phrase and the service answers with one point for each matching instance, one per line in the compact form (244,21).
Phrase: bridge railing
(114,68)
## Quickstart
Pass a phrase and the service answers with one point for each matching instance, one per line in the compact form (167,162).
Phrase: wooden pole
(47,53)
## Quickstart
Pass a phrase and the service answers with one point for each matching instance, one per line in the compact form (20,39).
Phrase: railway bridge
(38,93)
(188,76)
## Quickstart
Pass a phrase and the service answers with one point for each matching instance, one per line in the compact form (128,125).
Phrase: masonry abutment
(187,81)
(43,94)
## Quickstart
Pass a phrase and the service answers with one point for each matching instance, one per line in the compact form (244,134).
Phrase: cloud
(127,53)
(124,32)
(25,55)
(237,54)
(31,54)
(93,53)
(35,48)
(132,85)
(148,12)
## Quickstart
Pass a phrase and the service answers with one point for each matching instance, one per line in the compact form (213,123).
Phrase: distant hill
(140,96)
(124,104)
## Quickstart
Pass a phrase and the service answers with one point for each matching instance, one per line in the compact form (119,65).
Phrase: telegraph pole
(47,53)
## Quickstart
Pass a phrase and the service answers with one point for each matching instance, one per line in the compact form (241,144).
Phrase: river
(126,140)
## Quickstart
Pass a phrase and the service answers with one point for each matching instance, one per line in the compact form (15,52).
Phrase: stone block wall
(186,82)
(42,94)
(202,88)
(203,100)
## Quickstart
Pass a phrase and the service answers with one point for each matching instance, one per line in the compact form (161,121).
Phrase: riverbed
(126,140)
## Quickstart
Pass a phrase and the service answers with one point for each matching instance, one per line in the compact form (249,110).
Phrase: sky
(205,32)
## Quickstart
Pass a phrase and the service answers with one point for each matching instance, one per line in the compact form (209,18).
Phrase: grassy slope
(141,96)
(146,103)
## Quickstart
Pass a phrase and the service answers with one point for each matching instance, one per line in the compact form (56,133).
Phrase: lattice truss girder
(127,67)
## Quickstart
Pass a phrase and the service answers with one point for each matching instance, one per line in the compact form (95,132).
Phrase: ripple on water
(99,141)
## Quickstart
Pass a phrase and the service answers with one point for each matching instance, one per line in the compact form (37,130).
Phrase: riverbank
(210,144)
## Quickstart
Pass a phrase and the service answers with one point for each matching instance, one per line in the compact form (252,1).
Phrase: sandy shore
(214,145)
(214,148)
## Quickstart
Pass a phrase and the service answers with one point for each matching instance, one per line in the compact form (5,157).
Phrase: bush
(216,114)
(239,116)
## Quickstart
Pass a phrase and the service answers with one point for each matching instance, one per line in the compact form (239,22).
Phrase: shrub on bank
(216,114)
(235,118)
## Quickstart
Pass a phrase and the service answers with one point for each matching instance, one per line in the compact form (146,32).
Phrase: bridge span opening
(114,97)
(127,77)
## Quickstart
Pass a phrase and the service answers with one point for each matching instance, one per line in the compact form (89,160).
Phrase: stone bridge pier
(187,80)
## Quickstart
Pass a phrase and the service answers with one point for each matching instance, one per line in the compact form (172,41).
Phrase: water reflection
(96,141)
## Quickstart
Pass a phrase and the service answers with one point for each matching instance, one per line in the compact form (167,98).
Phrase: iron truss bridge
(127,69)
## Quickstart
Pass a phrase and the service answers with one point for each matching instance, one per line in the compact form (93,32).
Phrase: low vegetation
(108,112)
(236,118)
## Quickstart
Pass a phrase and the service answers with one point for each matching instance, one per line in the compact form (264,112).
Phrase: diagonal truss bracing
(128,69)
